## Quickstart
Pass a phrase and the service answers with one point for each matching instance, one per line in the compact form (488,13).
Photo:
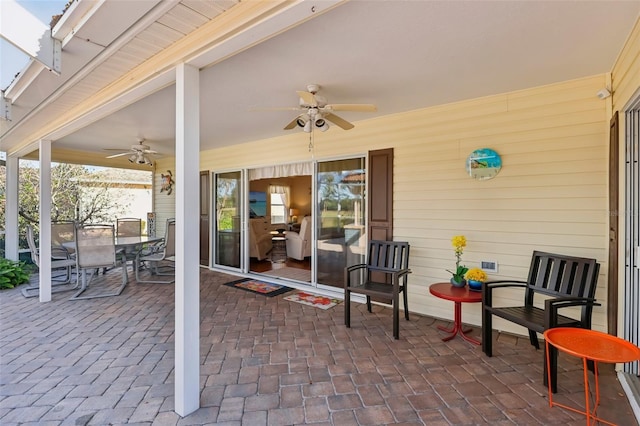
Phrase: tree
(77,193)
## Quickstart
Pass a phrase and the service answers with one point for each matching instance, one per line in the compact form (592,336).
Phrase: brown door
(204,218)
(612,285)
(380,194)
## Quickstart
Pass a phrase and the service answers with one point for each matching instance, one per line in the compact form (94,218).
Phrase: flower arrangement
(476,274)
(459,242)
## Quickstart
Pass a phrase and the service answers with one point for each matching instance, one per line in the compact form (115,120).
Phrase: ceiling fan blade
(340,122)
(115,149)
(293,124)
(119,155)
(352,107)
(307,97)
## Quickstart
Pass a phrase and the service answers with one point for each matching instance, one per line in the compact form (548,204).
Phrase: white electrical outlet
(489,265)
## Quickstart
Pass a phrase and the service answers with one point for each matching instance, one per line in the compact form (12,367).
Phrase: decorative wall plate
(483,163)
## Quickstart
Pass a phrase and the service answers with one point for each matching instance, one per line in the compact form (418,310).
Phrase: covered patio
(268,361)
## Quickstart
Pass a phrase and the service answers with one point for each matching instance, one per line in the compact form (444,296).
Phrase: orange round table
(588,345)
(458,295)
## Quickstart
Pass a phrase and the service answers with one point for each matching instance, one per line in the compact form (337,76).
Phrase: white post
(11,237)
(45,221)
(187,286)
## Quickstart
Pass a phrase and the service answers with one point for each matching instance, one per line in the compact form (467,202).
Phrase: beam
(11,238)
(45,221)
(33,37)
(187,285)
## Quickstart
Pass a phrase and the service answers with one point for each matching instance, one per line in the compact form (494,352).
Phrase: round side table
(458,295)
(588,345)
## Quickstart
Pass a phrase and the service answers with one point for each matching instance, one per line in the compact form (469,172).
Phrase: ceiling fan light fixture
(302,121)
(322,125)
(307,127)
(132,159)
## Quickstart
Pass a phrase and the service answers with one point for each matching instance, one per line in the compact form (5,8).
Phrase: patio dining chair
(95,249)
(161,252)
(60,260)
(129,227)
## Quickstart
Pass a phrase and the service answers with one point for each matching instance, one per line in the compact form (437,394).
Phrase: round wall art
(483,164)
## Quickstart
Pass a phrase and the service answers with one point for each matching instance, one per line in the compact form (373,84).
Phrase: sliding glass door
(227,229)
(341,231)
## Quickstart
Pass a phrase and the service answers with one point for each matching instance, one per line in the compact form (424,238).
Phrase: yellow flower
(459,241)
(476,274)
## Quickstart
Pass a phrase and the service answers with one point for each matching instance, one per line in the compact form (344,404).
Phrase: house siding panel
(550,194)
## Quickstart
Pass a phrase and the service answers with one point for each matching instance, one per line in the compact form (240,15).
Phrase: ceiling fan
(316,111)
(139,153)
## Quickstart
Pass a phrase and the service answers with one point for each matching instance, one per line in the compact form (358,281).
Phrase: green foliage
(13,273)
(77,193)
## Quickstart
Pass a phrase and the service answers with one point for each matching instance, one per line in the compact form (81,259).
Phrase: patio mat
(260,287)
(314,300)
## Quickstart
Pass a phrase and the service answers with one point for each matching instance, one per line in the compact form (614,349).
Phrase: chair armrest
(551,307)
(355,267)
(487,289)
(60,253)
(390,271)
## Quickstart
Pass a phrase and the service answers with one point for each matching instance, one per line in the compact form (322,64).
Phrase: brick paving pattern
(267,361)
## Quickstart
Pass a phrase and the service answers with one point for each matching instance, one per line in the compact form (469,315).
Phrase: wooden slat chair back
(562,281)
(383,276)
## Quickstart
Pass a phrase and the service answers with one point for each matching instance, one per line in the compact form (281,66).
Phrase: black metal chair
(564,281)
(383,276)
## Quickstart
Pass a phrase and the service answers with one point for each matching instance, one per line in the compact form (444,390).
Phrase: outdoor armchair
(384,276)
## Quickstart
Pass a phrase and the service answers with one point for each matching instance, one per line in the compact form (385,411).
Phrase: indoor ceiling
(399,55)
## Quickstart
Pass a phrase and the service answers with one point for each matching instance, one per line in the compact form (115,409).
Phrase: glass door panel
(341,231)
(228,202)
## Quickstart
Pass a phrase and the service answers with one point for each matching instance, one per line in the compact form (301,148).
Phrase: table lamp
(293,215)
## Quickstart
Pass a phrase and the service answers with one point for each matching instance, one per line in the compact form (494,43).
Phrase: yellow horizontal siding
(551,194)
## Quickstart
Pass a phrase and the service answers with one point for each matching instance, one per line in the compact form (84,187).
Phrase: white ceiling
(399,55)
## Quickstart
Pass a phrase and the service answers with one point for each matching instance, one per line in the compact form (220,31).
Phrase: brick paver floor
(267,361)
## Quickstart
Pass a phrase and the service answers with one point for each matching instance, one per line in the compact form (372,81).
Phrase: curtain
(285,196)
(282,170)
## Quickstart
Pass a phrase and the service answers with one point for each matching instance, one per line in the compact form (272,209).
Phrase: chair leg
(553,361)
(396,318)
(369,303)
(487,338)
(347,308)
(533,338)
(406,303)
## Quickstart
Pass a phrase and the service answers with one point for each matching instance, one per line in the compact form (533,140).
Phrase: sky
(12,60)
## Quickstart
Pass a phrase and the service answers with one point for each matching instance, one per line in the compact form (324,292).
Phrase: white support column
(187,310)
(45,221)
(11,237)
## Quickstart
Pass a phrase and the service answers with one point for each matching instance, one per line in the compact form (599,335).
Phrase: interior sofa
(299,243)
(259,237)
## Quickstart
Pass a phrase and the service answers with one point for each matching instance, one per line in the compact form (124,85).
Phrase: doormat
(321,302)
(260,287)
